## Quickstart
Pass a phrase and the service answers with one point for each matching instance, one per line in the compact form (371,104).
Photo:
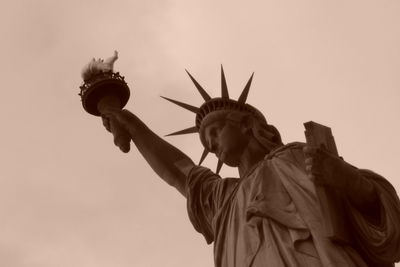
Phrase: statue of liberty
(270,215)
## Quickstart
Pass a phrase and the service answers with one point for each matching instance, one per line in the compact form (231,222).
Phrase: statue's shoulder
(285,149)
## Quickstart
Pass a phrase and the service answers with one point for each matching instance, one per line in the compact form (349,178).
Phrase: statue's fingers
(122,138)
(309,169)
(111,113)
(309,161)
(123,144)
(313,169)
(309,150)
(106,123)
(316,179)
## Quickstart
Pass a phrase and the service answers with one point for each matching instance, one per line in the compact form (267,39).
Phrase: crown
(223,103)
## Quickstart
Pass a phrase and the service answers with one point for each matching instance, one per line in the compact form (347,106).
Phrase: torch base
(103,85)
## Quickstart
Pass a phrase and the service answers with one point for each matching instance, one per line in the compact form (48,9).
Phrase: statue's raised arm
(104,93)
(172,165)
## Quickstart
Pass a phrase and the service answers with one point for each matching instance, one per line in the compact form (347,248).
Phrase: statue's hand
(332,171)
(118,122)
(327,169)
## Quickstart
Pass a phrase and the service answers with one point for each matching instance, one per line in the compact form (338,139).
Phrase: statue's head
(227,134)
(225,126)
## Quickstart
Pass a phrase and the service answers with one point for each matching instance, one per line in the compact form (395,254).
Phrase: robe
(272,217)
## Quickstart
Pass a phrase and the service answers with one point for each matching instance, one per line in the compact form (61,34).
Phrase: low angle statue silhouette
(277,212)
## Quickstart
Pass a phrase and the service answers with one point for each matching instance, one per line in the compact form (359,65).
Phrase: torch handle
(122,137)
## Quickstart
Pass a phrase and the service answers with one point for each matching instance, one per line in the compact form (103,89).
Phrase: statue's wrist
(136,128)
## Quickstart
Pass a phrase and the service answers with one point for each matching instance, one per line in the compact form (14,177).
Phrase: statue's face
(227,140)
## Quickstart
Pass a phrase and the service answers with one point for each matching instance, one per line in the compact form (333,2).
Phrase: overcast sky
(68,197)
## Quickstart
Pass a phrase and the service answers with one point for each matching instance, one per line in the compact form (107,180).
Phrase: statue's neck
(253,154)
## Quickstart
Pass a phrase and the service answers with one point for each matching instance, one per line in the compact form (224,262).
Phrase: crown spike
(203,156)
(203,92)
(243,96)
(219,166)
(185,131)
(224,87)
(183,105)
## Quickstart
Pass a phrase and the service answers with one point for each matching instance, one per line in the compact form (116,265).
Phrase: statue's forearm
(340,175)
(171,164)
(360,191)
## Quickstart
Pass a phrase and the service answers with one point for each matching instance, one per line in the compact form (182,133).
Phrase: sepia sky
(68,197)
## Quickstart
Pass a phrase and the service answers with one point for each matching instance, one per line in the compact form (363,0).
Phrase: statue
(271,214)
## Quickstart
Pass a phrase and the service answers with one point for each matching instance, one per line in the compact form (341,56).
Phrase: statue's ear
(264,136)
(247,124)
(276,137)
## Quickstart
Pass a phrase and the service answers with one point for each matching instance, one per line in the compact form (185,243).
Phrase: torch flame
(96,66)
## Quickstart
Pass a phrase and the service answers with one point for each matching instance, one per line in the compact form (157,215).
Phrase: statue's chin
(228,160)
(232,164)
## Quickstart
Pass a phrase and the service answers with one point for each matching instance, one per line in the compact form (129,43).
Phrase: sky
(69,197)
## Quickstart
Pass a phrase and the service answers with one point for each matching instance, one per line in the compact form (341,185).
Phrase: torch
(104,90)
